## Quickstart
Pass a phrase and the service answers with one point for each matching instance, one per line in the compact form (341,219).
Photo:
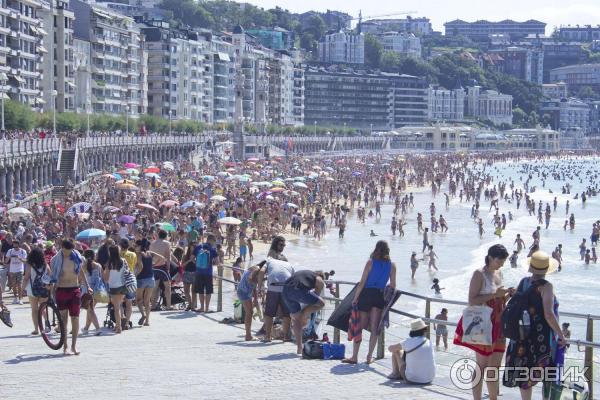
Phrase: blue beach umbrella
(89,234)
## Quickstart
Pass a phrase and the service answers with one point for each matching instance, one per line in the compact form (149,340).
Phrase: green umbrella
(167,226)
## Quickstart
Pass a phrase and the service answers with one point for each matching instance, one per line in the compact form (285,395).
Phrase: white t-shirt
(16,265)
(420,363)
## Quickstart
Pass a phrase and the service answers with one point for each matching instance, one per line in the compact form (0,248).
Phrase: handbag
(129,280)
(312,350)
(332,351)
(86,301)
(477,325)
(101,295)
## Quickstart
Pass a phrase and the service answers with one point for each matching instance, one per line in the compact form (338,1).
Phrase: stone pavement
(186,355)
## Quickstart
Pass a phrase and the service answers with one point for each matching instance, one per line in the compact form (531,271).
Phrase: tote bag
(477,325)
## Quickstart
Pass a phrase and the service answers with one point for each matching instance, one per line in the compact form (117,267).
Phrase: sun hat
(540,263)
(417,325)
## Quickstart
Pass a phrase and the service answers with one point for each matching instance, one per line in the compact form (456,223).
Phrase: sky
(553,12)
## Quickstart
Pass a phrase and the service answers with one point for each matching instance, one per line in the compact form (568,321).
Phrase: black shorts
(369,298)
(273,303)
(203,284)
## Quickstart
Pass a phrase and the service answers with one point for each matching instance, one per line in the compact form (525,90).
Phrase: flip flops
(348,361)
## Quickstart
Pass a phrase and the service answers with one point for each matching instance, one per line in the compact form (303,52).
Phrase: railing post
(336,331)
(381,344)
(428,315)
(589,356)
(220,288)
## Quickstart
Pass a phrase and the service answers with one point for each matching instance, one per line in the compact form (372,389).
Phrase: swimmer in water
(372,234)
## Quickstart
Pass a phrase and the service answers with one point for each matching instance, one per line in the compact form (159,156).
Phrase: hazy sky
(552,12)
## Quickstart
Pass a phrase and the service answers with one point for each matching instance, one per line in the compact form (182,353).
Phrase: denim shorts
(294,298)
(145,283)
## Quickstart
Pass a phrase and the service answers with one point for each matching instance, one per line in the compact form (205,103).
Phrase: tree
(307,41)
(18,116)
(519,117)
(373,51)
(533,119)
(546,120)
(390,61)
(315,26)
(586,92)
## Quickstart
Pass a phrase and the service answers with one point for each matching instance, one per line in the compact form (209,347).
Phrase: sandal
(141,321)
(348,361)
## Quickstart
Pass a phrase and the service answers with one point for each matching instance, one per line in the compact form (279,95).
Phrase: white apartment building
(341,47)
(421,26)
(555,90)
(567,114)
(21,50)
(298,96)
(405,44)
(225,73)
(489,105)
(118,76)
(281,89)
(58,66)
(446,105)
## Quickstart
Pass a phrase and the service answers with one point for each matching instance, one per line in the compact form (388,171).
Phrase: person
(276,249)
(545,338)
(414,359)
(93,274)
(514,258)
(414,264)
(131,259)
(145,278)
(436,286)
(161,267)
(35,269)
(276,272)
(16,257)
(368,297)
(237,270)
(301,296)
(486,288)
(245,293)
(432,258)
(113,274)
(66,276)
(206,257)
(189,275)
(441,330)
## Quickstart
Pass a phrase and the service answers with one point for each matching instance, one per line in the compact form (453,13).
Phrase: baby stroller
(177,293)
(109,321)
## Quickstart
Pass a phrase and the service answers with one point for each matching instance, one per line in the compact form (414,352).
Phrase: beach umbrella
(278,183)
(229,221)
(145,206)
(134,178)
(19,212)
(292,205)
(111,209)
(252,159)
(264,184)
(111,176)
(277,189)
(117,176)
(356,173)
(77,208)
(132,171)
(169,203)
(152,169)
(191,203)
(83,216)
(208,178)
(127,186)
(170,167)
(230,169)
(223,174)
(152,175)
(299,178)
(89,234)
(131,165)
(218,197)
(230,164)
(128,181)
(300,185)
(126,219)
(269,197)
(166,226)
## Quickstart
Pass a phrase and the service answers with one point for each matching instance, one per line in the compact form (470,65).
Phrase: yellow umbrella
(127,186)
(192,183)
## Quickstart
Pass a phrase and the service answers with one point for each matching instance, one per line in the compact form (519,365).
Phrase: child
(513,259)
(237,269)
(250,248)
(436,286)
(245,292)
(243,247)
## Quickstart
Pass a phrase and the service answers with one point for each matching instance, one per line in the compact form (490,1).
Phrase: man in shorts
(203,281)
(67,276)
(276,272)
(16,259)
(161,267)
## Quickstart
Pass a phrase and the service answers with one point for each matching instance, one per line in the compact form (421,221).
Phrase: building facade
(558,90)
(489,105)
(404,44)
(567,114)
(577,76)
(481,30)
(523,63)
(273,38)
(584,33)
(446,105)
(341,47)
(118,83)
(418,26)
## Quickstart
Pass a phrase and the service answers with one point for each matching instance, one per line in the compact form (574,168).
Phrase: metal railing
(588,343)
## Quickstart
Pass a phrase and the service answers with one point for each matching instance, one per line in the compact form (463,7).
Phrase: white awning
(42,31)
(41,49)
(71,84)
(33,30)
(40,100)
(223,56)
(18,78)
(116,94)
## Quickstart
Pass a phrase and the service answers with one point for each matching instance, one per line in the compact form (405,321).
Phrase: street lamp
(315,128)
(127,120)
(54,93)
(87,110)
(371,129)
(170,124)
(3,79)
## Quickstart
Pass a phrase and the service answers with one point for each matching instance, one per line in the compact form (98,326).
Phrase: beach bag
(312,350)
(332,351)
(129,281)
(101,294)
(512,314)
(477,325)
(202,260)
(38,289)
(239,314)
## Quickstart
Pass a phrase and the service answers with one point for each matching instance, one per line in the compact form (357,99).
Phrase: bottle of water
(526,322)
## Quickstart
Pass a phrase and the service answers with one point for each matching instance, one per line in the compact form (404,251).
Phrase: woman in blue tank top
(378,271)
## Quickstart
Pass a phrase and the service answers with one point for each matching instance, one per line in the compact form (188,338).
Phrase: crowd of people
(137,230)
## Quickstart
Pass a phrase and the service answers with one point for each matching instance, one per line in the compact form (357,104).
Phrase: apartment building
(281,89)
(420,26)
(21,50)
(482,29)
(118,77)
(583,33)
(446,105)
(224,75)
(342,47)
(404,44)
(557,90)
(577,76)
(489,105)
(567,114)
(58,64)
(523,63)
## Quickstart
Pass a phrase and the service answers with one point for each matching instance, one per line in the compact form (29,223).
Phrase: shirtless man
(520,243)
(67,276)
(161,267)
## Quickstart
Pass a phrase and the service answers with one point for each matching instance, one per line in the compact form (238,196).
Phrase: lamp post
(315,128)
(54,93)
(371,129)
(127,120)
(3,79)
(170,124)
(87,110)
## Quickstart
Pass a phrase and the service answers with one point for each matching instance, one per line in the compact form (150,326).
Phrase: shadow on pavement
(348,369)
(243,343)
(25,336)
(32,357)
(182,315)
(280,356)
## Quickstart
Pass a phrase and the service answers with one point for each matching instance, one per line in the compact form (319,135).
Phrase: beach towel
(340,317)
(390,297)
(354,328)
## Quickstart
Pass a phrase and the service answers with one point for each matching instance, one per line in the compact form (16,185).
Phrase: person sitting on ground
(414,359)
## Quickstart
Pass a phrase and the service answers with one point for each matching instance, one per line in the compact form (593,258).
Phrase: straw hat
(417,325)
(540,263)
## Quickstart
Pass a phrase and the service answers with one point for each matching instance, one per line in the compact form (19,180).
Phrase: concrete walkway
(185,355)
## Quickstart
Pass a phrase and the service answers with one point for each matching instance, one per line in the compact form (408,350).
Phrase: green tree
(308,42)
(67,122)
(18,116)
(315,26)
(519,117)
(586,92)
(546,120)
(373,51)
(390,61)
(533,119)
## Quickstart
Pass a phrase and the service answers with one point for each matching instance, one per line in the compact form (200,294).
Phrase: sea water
(461,250)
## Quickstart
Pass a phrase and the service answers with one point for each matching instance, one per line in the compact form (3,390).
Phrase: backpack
(312,350)
(38,288)
(512,314)
(202,260)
